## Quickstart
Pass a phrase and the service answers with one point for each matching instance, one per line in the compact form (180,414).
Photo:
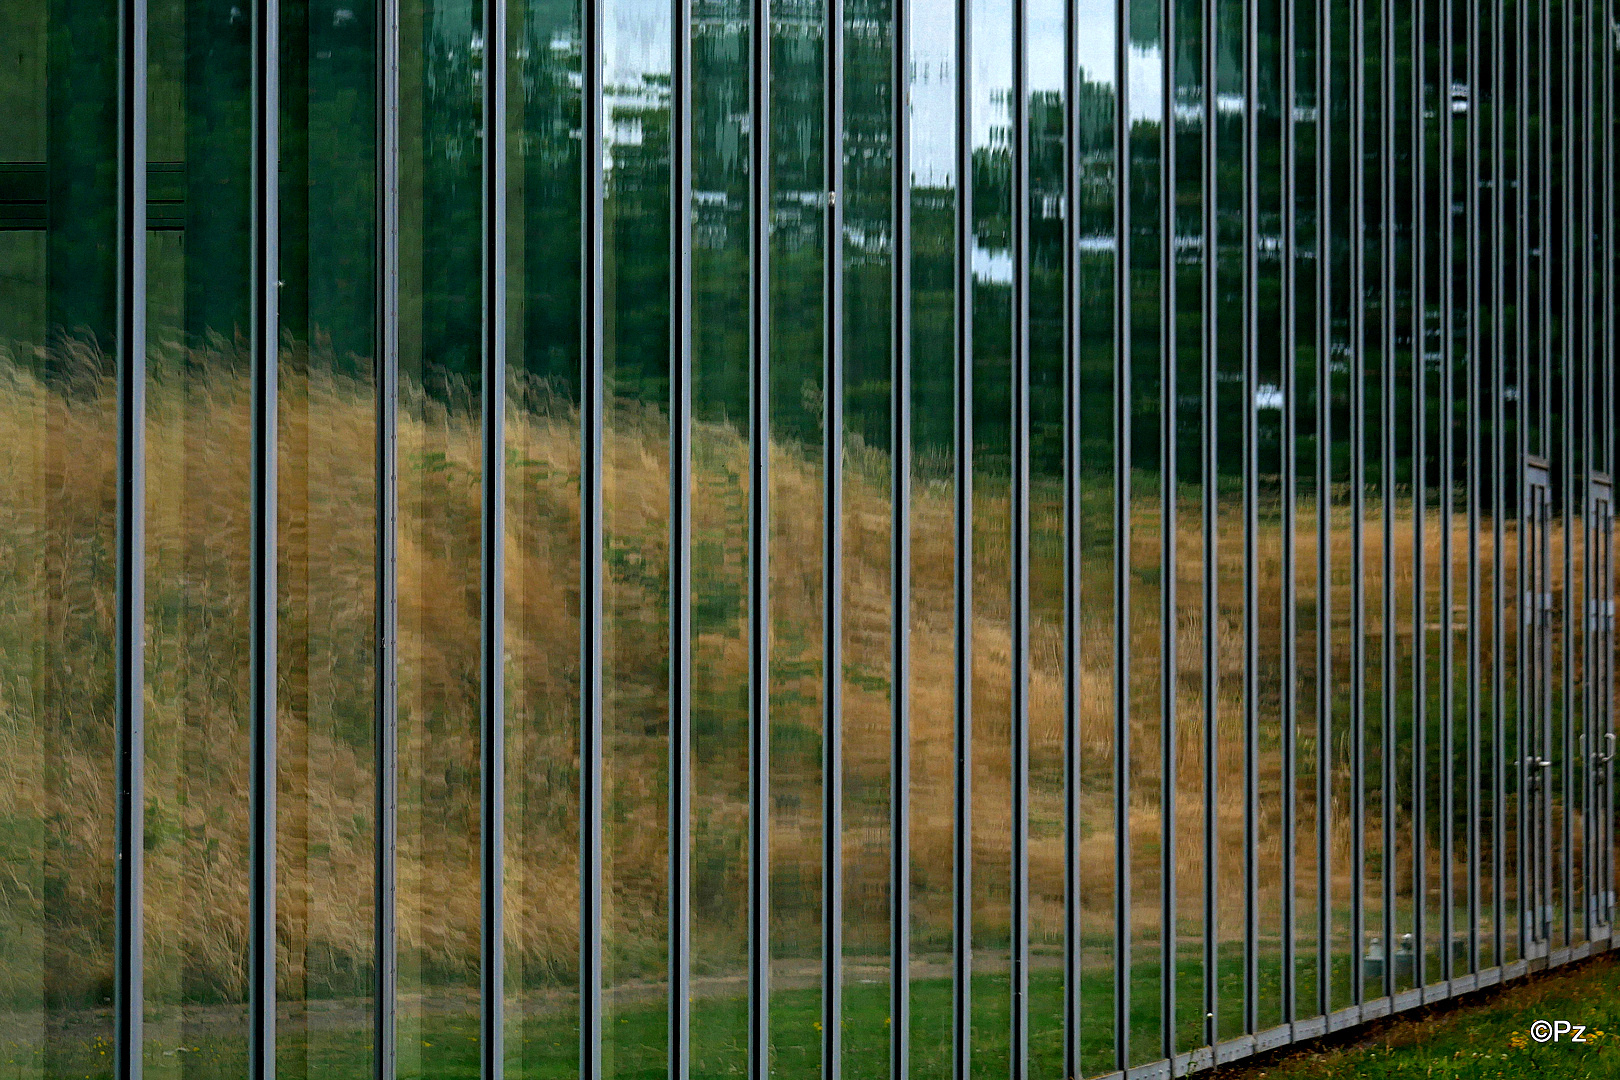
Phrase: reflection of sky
(636,43)
(933,85)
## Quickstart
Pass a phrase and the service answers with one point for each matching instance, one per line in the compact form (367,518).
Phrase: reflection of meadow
(56,590)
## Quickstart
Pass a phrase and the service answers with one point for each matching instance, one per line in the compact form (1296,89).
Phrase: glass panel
(1308,363)
(933,532)
(1144,622)
(1227,521)
(199,450)
(1566,460)
(868,530)
(440,499)
(58,535)
(720,535)
(543,540)
(1339,585)
(1195,572)
(1459,417)
(991,185)
(1404,630)
(1050,436)
(1488,466)
(635,561)
(1265,404)
(1374,519)
(1513,327)
(327,538)
(1431,568)
(798,597)
(1096,170)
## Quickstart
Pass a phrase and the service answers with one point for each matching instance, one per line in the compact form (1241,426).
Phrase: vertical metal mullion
(1606,769)
(962,288)
(1596,461)
(1072,120)
(1544,685)
(1569,619)
(1591,412)
(492,602)
(680,545)
(1289,301)
(900,384)
(1447,438)
(592,404)
(1019,1049)
(832,904)
(1608,44)
(1420,447)
(1122,537)
(1387,316)
(1209,352)
(1499,468)
(386,373)
(1521,349)
(1250,468)
(1357,106)
(1471,280)
(265,338)
(1324,341)
(759,542)
(1544,649)
(1584,620)
(1543,584)
(130,662)
(1167,529)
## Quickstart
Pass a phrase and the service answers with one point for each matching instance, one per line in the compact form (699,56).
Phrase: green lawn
(1486,1040)
(1490,1039)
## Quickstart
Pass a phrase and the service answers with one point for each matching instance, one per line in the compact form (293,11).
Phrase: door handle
(1605,758)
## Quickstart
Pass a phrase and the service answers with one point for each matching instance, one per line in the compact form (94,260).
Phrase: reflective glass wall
(711,537)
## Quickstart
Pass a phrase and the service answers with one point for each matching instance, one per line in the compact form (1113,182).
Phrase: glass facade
(916,538)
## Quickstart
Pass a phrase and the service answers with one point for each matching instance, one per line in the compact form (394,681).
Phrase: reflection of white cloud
(1146,84)
(933,81)
(636,43)
(993,266)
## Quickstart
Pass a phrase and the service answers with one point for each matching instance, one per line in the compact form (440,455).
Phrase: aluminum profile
(492,550)
(1168,496)
(680,545)
(130,632)
(385,372)
(962,523)
(1019,615)
(1209,306)
(832,933)
(593,401)
(1122,536)
(759,530)
(265,345)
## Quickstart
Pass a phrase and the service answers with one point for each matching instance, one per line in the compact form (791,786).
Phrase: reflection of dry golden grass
(55,741)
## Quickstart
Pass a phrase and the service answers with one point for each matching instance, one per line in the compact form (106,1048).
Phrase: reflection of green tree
(327,242)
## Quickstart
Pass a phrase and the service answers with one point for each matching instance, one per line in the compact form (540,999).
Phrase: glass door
(1600,624)
(1537,761)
